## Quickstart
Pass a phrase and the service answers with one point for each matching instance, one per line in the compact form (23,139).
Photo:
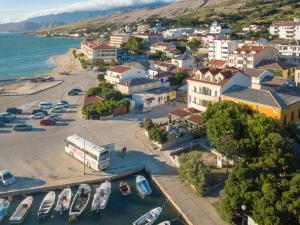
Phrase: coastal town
(208,115)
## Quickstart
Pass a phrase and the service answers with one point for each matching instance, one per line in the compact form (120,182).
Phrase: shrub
(93,91)
(155,132)
(193,170)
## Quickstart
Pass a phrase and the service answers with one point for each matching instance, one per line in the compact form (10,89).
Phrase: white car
(8,115)
(46,105)
(57,109)
(61,104)
(7,178)
(38,115)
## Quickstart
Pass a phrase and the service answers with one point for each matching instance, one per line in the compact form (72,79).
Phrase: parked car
(73,93)
(39,115)
(35,111)
(57,109)
(2,124)
(54,117)
(63,104)
(8,116)
(4,120)
(47,122)
(77,90)
(14,110)
(7,178)
(22,127)
(153,147)
(46,105)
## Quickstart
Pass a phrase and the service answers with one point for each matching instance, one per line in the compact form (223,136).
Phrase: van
(46,105)
(7,178)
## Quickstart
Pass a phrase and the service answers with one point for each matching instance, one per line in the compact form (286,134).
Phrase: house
(220,48)
(282,104)
(289,50)
(249,56)
(252,28)
(161,66)
(116,40)
(184,60)
(287,29)
(95,51)
(221,30)
(256,41)
(138,85)
(155,97)
(149,39)
(280,68)
(164,77)
(121,73)
(177,33)
(207,84)
(297,76)
(162,46)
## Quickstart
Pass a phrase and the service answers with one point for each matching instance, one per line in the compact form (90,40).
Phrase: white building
(162,46)
(207,85)
(250,56)
(177,33)
(216,28)
(289,50)
(117,40)
(297,76)
(286,30)
(139,85)
(96,51)
(121,73)
(184,61)
(256,41)
(219,49)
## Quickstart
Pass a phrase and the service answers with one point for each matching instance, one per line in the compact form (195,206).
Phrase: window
(195,89)
(216,93)
(284,120)
(292,116)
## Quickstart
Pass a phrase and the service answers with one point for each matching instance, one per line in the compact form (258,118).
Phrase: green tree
(157,134)
(135,45)
(93,91)
(177,79)
(193,45)
(193,170)
(101,77)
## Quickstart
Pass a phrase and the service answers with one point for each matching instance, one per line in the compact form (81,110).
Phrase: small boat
(143,185)
(101,196)
(80,200)
(64,200)
(21,211)
(165,223)
(4,205)
(47,204)
(124,188)
(149,218)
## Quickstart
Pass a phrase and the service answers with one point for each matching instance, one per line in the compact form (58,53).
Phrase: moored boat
(149,218)
(47,204)
(64,200)
(143,185)
(101,196)
(4,205)
(125,188)
(21,211)
(80,200)
(165,223)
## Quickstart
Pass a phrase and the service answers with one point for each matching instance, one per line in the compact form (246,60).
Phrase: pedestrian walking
(123,152)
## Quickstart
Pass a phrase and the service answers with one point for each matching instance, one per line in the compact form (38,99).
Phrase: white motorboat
(64,200)
(149,218)
(4,205)
(80,200)
(101,196)
(47,204)
(21,211)
(165,223)
(143,185)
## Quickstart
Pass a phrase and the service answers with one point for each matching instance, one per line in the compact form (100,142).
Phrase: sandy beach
(63,63)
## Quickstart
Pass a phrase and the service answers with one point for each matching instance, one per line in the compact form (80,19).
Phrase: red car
(47,122)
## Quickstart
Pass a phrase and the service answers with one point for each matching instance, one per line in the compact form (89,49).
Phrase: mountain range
(53,20)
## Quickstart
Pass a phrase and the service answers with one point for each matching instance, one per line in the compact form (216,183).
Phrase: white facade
(121,73)
(117,40)
(176,33)
(219,49)
(161,46)
(184,61)
(286,30)
(99,51)
(216,28)
(207,85)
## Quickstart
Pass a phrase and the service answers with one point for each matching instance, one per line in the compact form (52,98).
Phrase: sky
(18,10)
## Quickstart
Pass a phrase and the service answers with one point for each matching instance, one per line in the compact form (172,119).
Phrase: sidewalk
(195,210)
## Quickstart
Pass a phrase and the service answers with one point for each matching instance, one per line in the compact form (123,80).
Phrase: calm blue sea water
(22,55)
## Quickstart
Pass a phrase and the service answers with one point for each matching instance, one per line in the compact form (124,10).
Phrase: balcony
(205,97)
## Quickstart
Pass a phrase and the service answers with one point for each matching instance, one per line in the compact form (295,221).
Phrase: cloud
(93,5)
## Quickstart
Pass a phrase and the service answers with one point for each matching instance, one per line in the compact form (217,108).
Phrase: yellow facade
(283,116)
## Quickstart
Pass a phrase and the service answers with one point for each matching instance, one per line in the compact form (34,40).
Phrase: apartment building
(250,56)
(287,29)
(149,39)
(207,84)
(289,50)
(95,51)
(219,49)
(116,40)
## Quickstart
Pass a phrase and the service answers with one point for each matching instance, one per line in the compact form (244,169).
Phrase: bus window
(104,156)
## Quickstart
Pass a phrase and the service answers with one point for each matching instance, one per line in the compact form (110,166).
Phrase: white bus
(96,157)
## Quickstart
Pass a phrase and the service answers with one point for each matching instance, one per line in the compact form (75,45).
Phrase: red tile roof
(249,49)
(195,119)
(164,74)
(180,113)
(216,62)
(101,46)
(91,100)
(163,64)
(120,69)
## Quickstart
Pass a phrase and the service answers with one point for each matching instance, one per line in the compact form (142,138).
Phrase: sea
(120,210)
(23,55)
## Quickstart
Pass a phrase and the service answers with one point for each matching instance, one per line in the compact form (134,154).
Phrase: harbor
(119,210)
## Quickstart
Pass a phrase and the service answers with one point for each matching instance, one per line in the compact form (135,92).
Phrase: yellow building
(283,104)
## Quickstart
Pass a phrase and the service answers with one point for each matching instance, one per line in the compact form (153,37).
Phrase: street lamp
(83,126)
(244,209)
